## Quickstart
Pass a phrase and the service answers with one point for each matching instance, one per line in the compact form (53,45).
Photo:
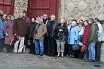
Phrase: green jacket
(93,34)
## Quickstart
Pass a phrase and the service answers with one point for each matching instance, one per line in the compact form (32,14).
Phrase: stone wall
(77,9)
(19,6)
(83,9)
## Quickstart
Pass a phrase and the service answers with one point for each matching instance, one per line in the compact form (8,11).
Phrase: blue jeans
(39,47)
(91,50)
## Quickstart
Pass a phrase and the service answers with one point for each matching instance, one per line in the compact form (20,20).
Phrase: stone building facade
(72,9)
(77,9)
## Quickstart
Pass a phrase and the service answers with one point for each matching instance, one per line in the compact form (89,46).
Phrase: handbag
(75,47)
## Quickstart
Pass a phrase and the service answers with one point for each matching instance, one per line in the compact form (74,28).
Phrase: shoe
(62,55)
(36,54)
(58,54)
(14,52)
(20,53)
(89,60)
(93,60)
(41,54)
(52,54)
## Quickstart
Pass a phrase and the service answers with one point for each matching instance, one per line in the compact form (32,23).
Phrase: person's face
(21,15)
(24,14)
(33,19)
(80,25)
(53,17)
(40,20)
(45,16)
(8,18)
(69,22)
(90,22)
(80,21)
(62,21)
(74,23)
(4,16)
(12,17)
(85,23)
(1,13)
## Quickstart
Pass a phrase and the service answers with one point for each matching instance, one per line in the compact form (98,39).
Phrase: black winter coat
(32,27)
(51,25)
(61,35)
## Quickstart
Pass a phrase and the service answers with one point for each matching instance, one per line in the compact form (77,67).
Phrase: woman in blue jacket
(72,37)
(2,26)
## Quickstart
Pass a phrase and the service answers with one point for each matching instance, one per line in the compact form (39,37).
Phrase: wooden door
(7,6)
(40,7)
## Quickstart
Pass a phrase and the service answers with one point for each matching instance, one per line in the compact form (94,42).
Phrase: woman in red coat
(86,32)
(85,35)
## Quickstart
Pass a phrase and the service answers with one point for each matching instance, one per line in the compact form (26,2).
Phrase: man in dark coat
(92,39)
(20,29)
(45,21)
(45,18)
(51,25)
(32,27)
(27,21)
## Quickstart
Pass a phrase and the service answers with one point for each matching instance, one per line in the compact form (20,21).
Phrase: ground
(29,61)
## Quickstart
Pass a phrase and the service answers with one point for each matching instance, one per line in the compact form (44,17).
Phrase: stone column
(19,6)
(61,9)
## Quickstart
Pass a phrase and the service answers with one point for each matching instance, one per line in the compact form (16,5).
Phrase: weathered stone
(19,6)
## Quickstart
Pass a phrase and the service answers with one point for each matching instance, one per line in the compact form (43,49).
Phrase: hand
(60,30)
(15,34)
(6,34)
(33,41)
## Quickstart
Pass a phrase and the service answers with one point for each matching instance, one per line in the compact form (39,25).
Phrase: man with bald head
(51,25)
(20,29)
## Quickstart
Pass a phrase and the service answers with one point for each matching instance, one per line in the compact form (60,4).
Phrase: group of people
(48,36)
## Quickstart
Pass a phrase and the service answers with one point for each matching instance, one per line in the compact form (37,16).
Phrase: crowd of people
(49,36)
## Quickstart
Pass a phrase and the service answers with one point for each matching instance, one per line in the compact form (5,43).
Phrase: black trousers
(98,50)
(52,47)
(45,44)
(66,49)
(9,49)
(1,44)
(31,46)
(71,52)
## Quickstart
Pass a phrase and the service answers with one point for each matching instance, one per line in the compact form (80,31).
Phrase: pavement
(29,61)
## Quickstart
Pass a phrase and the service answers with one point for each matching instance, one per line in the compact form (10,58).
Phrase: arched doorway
(7,6)
(40,7)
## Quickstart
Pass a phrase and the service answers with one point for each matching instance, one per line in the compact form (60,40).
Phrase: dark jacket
(51,25)
(20,27)
(45,21)
(93,34)
(2,27)
(61,35)
(32,27)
